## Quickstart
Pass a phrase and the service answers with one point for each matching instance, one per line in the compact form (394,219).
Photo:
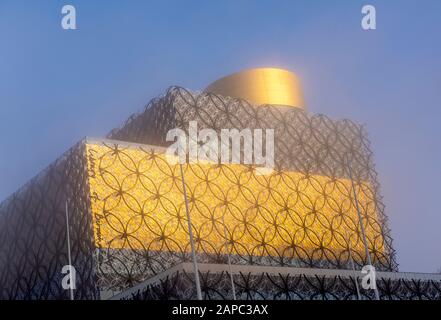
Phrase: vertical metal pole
(190,231)
(233,288)
(353,269)
(68,251)
(360,219)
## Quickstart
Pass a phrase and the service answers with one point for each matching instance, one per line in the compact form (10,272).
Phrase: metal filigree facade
(278,287)
(312,145)
(33,242)
(263,283)
(128,221)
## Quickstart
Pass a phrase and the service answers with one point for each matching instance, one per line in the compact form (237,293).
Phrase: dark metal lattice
(268,286)
(33,242)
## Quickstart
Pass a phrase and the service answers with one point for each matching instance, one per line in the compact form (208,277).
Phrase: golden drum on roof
(261,86)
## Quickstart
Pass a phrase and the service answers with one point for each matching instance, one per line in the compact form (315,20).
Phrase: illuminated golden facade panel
(137,203)
(261,86)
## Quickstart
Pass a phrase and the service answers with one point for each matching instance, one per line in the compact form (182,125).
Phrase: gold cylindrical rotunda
(261,86)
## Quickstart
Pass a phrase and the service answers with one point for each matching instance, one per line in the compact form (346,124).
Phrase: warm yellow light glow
(261,86)
(138,203)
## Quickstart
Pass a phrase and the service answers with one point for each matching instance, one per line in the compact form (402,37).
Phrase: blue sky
(57,86)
